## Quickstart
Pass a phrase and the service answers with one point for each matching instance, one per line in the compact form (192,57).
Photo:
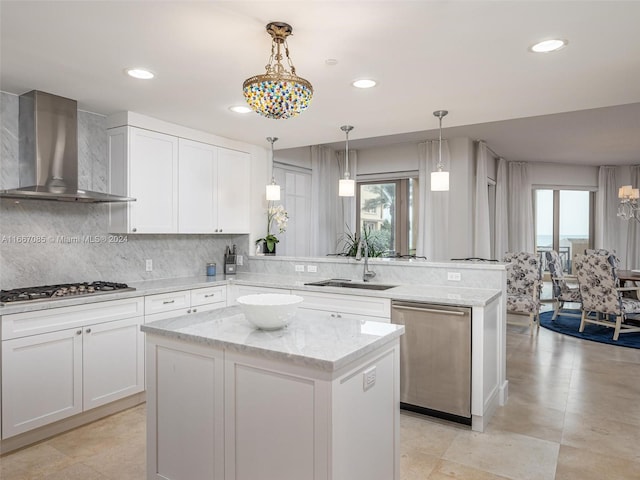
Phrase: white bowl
(269,311)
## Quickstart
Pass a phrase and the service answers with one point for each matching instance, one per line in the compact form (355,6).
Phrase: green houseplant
(350,241)
(278,215)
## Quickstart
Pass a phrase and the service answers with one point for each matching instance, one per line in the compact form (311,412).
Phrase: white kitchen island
(318,399)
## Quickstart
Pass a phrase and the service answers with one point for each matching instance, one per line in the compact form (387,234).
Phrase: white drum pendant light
(440,179)
(347,186)
(273,189)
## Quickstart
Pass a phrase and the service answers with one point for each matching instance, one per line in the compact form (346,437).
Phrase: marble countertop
(446,295)
(313,339)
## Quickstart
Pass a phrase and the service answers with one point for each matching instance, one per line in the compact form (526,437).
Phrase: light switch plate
(299,268)
(239,260)
(148,265)
(369,378)
(312,268)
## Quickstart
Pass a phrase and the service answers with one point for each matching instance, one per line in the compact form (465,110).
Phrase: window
(564,223)
(387,212)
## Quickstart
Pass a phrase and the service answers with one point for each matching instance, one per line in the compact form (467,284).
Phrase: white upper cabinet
(180,185)
(233,191)
(197,180)
(144,165)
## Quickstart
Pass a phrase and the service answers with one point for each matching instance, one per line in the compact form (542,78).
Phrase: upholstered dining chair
(523,285)
(601,294)
(561,291)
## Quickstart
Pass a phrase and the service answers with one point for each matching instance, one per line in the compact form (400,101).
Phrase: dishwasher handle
(428,310)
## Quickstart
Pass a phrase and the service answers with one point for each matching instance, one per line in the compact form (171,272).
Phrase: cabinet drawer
(359,305)
(165,302)
(203,296)
(42,321)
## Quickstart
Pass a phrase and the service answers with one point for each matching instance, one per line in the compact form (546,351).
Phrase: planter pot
(261,249)
(266,251)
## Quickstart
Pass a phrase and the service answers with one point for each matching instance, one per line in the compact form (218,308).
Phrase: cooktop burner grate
(64,290)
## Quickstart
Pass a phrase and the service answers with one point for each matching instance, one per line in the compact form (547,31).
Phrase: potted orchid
(278,215)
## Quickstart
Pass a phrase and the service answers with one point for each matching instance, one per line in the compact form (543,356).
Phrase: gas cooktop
(65,290)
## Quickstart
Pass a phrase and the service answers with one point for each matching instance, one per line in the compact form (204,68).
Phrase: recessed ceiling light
(240,109)
(140,73)
(548,45)
(331,61)
(364,83)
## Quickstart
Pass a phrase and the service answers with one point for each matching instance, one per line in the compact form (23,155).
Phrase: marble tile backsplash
(46,242)
(389,272)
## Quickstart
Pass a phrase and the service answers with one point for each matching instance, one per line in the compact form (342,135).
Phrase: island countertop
(313,339)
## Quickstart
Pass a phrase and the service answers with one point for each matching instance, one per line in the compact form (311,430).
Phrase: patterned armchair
(523,285)
(602,295)
(561,291)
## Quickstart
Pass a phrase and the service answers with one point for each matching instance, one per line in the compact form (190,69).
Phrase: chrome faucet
(366,273)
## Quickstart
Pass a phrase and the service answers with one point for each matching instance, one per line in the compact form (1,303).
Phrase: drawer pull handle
(79,332)
(88,330)
(166,302)
(189,311)
(195,310)
(210,295)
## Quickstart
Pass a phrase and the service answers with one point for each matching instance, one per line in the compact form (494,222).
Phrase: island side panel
(185,411)
(276,420)
(366,419)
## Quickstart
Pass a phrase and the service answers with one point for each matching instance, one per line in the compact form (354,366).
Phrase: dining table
(630,278)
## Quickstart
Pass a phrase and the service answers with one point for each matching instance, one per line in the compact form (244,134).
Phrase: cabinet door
(185,411)
(197,180)
(234,194)
(153,182)
(41,380)
(113,361)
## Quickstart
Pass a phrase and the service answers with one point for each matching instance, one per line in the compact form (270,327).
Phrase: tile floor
(573,413)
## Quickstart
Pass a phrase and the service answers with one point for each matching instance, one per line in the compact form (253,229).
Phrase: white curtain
(433,225)
(633,239)
(327,215)
(481,224)
(520,208)
(348,203)
(607,209)
(502,219)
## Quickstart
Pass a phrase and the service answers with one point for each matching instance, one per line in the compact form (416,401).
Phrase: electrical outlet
(149,265)
(454,276)
(239,260)
(299,268)
(312,268)
(369,378)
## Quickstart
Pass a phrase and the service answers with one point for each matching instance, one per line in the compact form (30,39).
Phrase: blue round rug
(596,333)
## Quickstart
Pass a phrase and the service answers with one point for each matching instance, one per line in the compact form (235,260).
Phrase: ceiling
(578,105)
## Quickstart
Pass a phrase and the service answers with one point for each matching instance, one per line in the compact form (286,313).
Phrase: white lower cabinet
(53,375)
(41,380)
(175,304)
(338,305)
(246,418)
(234,291)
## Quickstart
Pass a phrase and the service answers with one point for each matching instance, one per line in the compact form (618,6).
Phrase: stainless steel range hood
(48,154)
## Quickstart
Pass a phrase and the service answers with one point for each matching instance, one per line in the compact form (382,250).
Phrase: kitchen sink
(350,284)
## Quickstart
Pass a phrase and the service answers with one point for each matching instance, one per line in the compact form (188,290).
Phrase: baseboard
(43,433)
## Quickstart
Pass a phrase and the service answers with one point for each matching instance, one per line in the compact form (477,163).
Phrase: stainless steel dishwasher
(435,359)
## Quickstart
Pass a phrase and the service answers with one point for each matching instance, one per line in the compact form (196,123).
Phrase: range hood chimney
(48,153)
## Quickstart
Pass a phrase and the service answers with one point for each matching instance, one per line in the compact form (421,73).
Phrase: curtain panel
(433,224)
(327,214)
(633,236)
(607,209)
(520,210)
